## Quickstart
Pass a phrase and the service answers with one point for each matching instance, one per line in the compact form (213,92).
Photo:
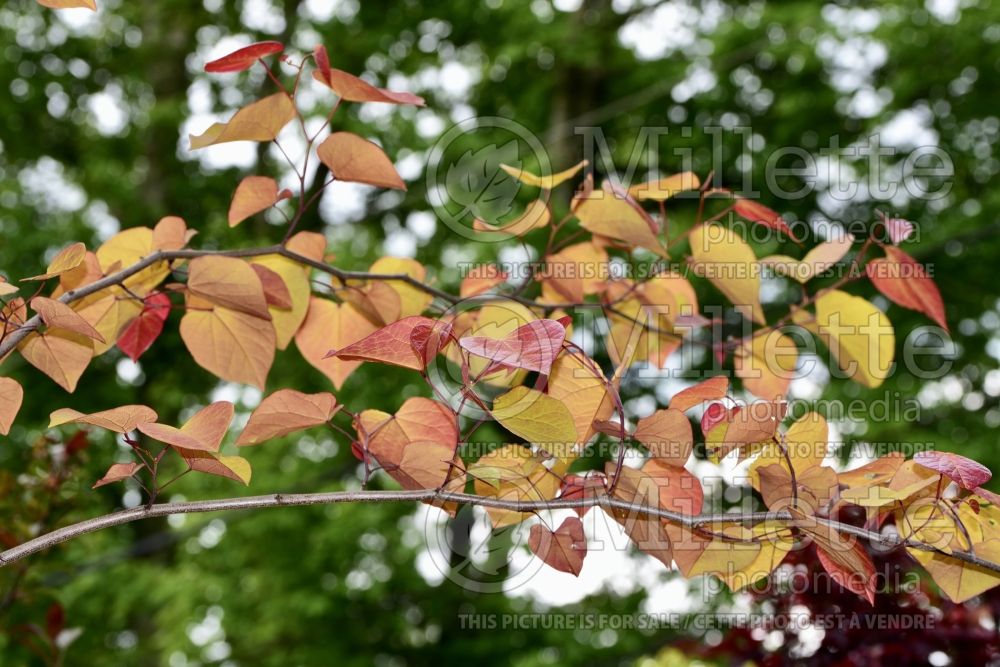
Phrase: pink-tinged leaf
(989,496)
(967,473)
(532,346)
(905,282)
(169,435)
(577,487)
(118,472)
(757,212)
(391,345)
(244,58)
(142,332)
(286,411)
(852,569)
(428,340)
(714,415)
(322,62)
(276,292)
(897,229)
(712,389)
(353,89)
(564,549)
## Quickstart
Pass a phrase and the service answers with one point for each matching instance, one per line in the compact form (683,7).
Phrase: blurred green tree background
(96,109)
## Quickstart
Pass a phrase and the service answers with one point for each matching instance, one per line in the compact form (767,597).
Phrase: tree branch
(42,542)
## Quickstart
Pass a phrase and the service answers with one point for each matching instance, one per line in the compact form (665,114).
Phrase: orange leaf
(229,282)
(286,411)
(58,315)
(120,420)
(117,472)
(11,395)
(393,345)
(331,326)
(171,233)
(68,4)
(259,121)
(757,212)
(232,345)
(668,436)
(357,160)
(62,355)
(351,88)
(481,279)
(712,389)
(564,549)
(253,195)
(905,282)
(232,467)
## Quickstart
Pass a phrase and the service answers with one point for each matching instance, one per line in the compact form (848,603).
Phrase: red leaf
(965,472)
(564,549)
(55,620)
(905,282)
(140,333)
(532,346)
(391,345)
(242,59)
(714,415)
(322,61)
(757,212)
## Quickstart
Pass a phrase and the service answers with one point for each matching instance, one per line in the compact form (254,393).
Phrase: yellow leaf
(229,282)
(108,311)
(412,300)
(127,248)
(665,188)
(959,580)
(806,442)
(330,326)
(583,389)
(259,121)
(356,160)
(65,260)
(607,214)
(859,336)
(746,556)
(287,321)
(546,182)
(536,417)
(11,395)
(535,216)
(62,355)
(574,272)
(766,364)
(232,345)
(729,263)
(512,472)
